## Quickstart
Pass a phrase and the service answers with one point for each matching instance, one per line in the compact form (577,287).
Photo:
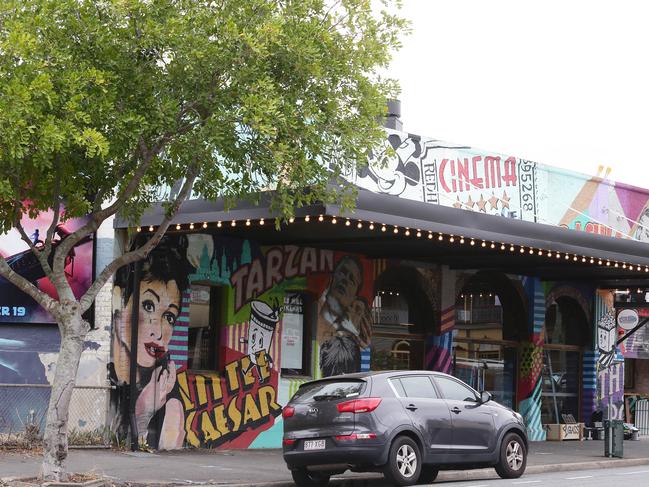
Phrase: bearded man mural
(344,320)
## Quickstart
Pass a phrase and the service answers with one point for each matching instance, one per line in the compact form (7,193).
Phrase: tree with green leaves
(105,102)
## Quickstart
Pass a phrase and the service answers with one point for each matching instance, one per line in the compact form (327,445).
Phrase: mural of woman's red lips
(155,350)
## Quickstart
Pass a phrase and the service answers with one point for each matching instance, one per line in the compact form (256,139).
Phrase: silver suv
(406,424)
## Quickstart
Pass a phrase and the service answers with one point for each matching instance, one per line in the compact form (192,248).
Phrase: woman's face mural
(159,310)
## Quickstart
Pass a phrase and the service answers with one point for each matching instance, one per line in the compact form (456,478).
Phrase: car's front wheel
(303,478)
(513,457)
(404,462)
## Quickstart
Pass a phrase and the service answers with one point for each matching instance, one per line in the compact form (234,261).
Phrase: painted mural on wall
(344,318)
(18,307)
(610,363)
(208,362)
(437,172)
(29,342)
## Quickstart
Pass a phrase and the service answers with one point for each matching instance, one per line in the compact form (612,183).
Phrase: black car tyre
(428,474)
(404,462)
(303,478)
(513,457)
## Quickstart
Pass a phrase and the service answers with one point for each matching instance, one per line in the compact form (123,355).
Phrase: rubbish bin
(614,438)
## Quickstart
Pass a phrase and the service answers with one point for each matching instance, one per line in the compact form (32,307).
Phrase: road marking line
(633,473)
(527,482)
(582,477)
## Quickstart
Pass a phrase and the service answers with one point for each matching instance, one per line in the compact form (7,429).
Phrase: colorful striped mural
(438,353)
(531,361)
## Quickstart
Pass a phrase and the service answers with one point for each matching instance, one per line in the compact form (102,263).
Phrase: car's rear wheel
(513,457)
(303,478)
(404,462)
(428,474)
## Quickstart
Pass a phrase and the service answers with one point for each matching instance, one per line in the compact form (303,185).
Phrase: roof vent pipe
(393,118)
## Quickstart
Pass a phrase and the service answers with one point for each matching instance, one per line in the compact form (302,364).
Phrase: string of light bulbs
(419,233)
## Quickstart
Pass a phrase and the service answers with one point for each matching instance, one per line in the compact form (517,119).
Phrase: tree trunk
(55,444)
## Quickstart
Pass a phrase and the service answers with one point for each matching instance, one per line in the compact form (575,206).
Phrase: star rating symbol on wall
(470,203)
(505,200)
(493,201)
(481,204)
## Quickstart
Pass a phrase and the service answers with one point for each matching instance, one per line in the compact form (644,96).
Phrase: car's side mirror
(485,396)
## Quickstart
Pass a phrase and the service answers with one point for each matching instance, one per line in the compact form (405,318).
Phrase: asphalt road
(611,477)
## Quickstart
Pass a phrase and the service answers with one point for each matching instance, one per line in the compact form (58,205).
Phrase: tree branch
(26,286)
(55,219)
(98,217)
(38,253)
(141,252)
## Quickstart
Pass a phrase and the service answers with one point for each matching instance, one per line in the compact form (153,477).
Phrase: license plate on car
(314,445)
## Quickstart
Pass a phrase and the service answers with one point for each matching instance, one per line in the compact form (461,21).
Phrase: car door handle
(456,410)
(411,407)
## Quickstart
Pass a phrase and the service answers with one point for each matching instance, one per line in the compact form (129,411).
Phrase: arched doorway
(402,313)
(490,321)
(567,334)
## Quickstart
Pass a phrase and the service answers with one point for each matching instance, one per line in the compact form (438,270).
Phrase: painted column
(531,362)
(439,347)
(610,371)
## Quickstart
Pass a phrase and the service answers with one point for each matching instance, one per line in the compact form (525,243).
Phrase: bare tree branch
(141,252)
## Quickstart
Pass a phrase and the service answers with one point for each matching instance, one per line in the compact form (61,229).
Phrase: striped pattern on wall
(448,320)
(589,385)
(315,361)
(538,313)
(379,266)
(178,342)
(438,353)
(294,385)
(530,409)
(366,355)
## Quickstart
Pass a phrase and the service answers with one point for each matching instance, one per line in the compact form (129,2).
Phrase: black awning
(402,213)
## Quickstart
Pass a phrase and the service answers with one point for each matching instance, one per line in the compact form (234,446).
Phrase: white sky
(564,83)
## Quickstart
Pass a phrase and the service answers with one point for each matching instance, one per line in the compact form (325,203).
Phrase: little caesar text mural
(210,328)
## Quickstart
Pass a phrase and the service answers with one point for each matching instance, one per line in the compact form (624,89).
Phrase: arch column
(528,390)
(439,345)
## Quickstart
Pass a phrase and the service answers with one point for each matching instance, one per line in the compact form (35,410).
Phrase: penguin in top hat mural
(263,322)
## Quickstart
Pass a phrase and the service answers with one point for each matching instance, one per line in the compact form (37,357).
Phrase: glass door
(560,386)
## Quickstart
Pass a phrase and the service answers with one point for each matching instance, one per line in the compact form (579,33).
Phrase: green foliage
(258,94)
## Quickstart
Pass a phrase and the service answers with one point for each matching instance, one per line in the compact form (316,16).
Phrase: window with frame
(297,319)
(203,327)
(454,390)
(416,386)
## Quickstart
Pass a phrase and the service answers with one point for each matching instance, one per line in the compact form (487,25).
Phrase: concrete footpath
(266,467)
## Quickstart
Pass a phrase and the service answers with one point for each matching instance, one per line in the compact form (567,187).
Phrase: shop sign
(628,319)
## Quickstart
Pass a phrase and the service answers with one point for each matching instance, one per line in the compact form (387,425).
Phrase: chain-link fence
(23,410)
